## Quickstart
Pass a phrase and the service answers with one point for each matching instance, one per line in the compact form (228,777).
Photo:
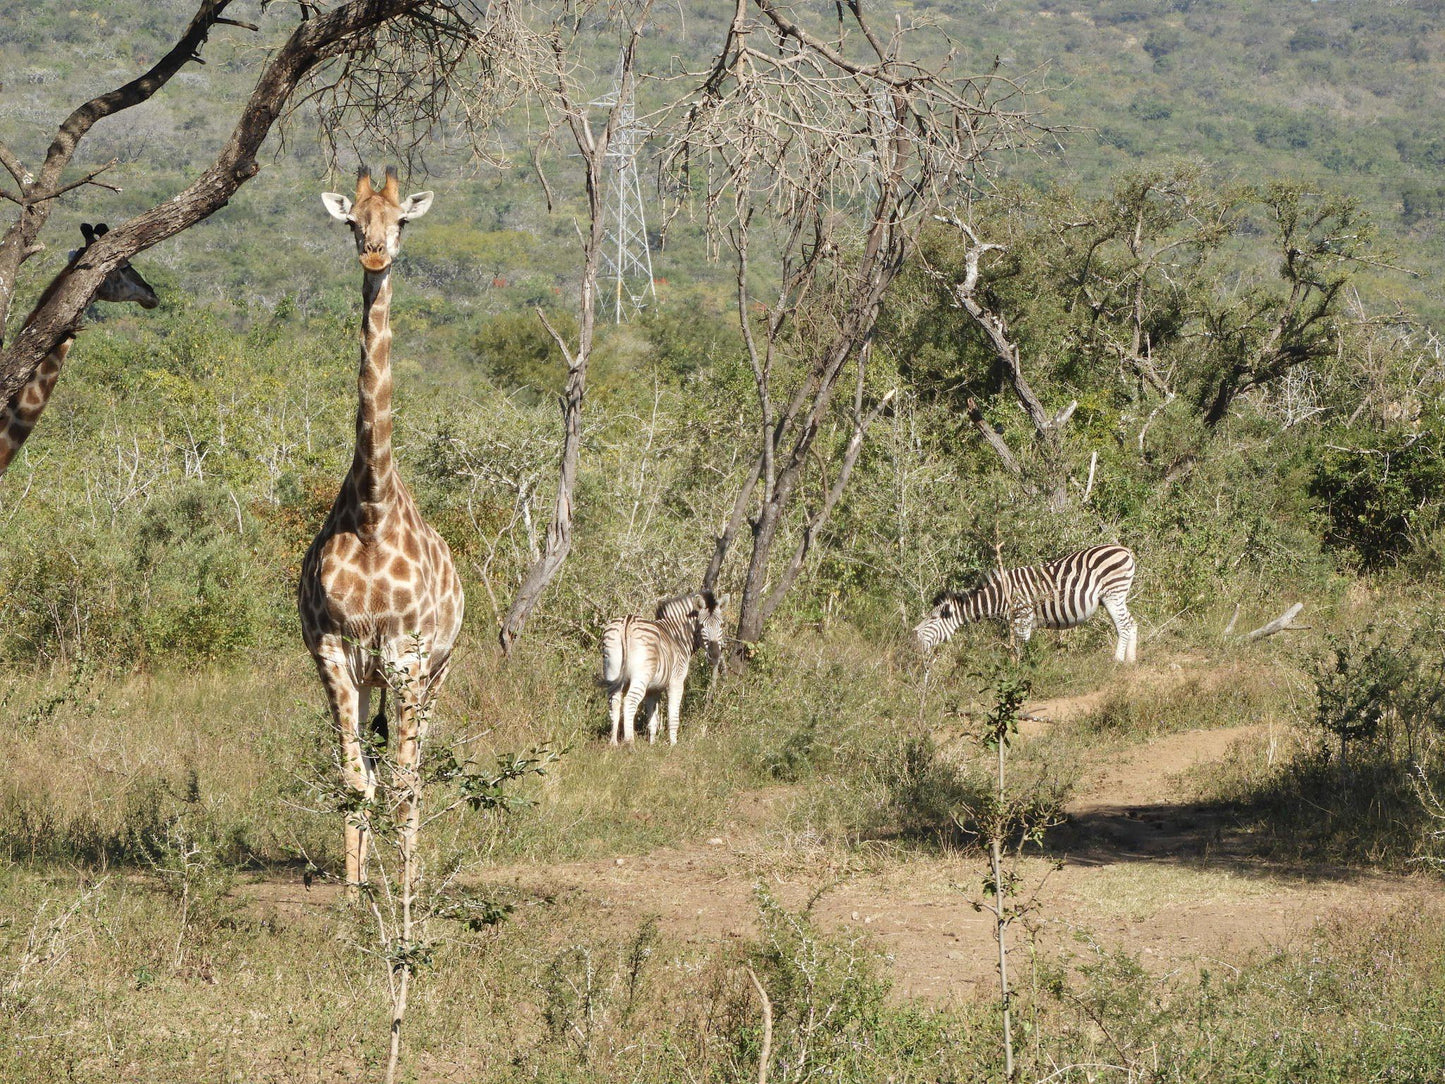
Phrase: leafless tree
(823,151)
(568,110)
(391,62)
(991,322)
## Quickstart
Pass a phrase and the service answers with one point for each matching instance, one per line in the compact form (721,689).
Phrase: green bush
(1382,497)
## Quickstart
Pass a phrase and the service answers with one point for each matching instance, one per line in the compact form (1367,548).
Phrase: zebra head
(698,616)
(710,635)
(941,623)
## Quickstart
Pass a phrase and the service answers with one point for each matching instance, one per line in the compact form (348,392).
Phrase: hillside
(1344,94)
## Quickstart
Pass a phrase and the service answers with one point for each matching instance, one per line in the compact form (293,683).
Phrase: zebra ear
(723,601)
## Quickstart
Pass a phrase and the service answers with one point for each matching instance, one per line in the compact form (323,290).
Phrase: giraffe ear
(415,205)
(338,205)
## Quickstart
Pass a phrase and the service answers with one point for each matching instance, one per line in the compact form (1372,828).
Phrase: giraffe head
(125,282)
(377,216)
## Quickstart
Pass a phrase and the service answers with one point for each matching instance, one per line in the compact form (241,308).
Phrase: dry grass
(797,774)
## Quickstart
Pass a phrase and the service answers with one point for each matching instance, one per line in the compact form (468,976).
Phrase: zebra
(1057,595)
(641,658)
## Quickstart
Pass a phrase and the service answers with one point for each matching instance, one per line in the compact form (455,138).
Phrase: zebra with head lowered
(1057,595)
(642,657)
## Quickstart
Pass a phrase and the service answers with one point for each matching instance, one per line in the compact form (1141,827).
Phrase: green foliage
(827,995)
(925,789)
(1381,496)
(517,351)
(1383,684)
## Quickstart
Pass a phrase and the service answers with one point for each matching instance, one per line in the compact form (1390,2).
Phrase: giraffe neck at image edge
(19,416)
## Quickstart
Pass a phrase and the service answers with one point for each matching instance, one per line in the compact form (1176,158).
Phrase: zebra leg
(649,714)
(1125,627)
(635,693)
(1021,624)
(674,708)
(614,711)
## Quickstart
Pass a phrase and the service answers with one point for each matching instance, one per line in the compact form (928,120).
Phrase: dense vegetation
(1208,265)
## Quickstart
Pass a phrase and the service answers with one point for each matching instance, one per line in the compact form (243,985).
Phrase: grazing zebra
(1057,595)
(641,658)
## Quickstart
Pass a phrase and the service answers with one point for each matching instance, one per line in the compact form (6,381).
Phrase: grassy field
(160,924)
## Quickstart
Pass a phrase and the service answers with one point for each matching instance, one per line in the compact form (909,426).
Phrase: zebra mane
(689,602)
(675,604)
(959,594)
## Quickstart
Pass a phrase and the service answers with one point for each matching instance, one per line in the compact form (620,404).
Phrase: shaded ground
(1176,881)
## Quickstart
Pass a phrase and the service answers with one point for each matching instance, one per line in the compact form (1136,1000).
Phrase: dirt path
(1144,868)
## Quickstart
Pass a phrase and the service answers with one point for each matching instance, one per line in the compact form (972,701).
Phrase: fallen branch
(1283,622)
(767,1050)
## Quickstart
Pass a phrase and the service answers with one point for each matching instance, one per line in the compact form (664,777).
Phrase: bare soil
(1139,866)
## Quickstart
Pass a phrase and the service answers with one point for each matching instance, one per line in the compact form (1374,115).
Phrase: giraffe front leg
(414,699)
(348,704)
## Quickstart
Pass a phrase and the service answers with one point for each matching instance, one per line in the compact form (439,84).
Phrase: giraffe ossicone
(380,600)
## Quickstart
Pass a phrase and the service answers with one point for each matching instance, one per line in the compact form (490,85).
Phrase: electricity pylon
(626,259)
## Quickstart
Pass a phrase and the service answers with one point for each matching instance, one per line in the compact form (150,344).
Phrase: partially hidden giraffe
(380,600)
(19,415)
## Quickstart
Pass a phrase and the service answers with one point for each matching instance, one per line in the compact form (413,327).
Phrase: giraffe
(379,598)
(20,414)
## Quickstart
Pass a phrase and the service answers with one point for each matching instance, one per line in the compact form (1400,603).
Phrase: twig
(89,178)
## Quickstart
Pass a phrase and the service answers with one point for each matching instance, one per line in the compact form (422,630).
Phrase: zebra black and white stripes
(1057,595)
(642,657)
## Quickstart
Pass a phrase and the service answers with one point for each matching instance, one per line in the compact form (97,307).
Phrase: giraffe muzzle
(375,261)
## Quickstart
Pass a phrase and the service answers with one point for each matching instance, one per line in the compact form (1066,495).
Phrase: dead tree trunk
(1047,428)
(848,144)
(591,148)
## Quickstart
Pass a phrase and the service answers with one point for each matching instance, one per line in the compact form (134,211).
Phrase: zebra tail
(614,652)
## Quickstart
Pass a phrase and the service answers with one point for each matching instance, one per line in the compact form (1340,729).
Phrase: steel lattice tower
(627,263)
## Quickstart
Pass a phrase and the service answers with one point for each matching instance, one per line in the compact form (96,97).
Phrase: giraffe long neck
(19,415)
(372,470)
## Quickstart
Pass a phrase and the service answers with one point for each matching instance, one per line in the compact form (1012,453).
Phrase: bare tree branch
(592,150)
(349,30)
(847,146)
